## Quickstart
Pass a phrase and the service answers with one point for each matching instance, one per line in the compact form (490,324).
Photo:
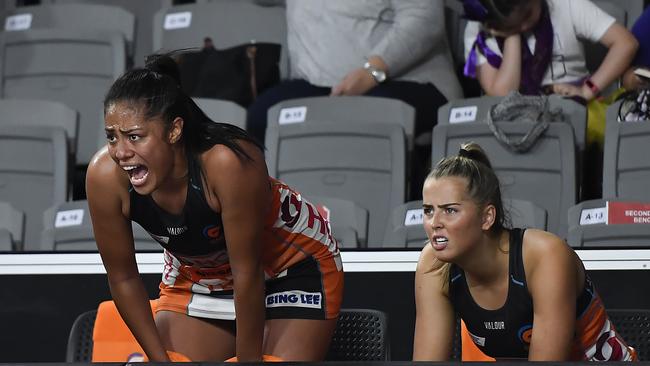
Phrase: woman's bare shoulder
(104,178)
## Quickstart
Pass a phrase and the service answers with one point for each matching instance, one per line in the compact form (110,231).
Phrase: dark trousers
(425,98)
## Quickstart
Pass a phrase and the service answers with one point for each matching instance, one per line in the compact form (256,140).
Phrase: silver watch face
(379,76)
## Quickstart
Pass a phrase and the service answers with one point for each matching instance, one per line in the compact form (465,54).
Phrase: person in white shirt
(533,46)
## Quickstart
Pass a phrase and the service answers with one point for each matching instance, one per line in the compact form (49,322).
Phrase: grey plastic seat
(588,227)
(359,162)
(81,17)
(476,110)
(6,240)
(227,22)
(26,112)
(12,227)
(406,230)
(626,168)
(68,66)
(68,227)
(348,220)
(525,214)
(223,111)
(455,25)
(33,173)
(545,175)
(346,109)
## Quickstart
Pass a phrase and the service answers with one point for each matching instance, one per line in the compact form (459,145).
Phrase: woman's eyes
(450,210)
(112,138)
(428,211)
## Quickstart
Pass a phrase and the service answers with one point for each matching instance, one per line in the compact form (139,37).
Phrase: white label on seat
(178,20)
(593,216)
(292,115)
(69,218)
(463,114)
(18,22)
(414,217)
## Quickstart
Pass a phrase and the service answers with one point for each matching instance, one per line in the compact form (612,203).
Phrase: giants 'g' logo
(212,231)
(525,334)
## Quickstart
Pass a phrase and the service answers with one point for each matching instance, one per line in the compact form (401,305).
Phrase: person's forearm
(250,311)
(618,59)
(508,77)
(132,302)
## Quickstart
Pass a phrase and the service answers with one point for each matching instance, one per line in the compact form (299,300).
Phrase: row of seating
(45,56)
(323,146)
(164,14)
(620,223)
(101,336)
(360,335)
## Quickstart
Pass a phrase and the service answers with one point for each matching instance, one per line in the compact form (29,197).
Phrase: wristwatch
(377,74)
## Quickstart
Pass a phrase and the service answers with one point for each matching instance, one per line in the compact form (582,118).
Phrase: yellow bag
(596,115)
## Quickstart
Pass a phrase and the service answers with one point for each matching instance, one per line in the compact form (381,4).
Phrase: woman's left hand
(570,90)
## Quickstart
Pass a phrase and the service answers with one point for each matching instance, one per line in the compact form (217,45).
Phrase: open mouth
(439,242)
(137,174)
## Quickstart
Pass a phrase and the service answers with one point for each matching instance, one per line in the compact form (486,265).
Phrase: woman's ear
(489,216)
(176,130)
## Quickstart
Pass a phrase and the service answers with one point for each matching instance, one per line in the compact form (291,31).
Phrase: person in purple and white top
(533,46)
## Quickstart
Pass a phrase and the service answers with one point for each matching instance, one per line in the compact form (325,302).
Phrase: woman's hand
(570,90)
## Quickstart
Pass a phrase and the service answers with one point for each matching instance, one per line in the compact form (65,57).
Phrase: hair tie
(464,153)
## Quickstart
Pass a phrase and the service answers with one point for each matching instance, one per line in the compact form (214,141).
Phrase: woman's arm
(107,194)
(507,77)
(435,319)
(622,47)
(552,280)
(244,195)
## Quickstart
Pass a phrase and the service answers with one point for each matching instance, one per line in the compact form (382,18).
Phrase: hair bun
(473,151)
(163,64)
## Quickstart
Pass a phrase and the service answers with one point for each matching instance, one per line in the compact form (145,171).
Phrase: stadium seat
(626,169)
(545,175)
(27,112)
(223,111)
(359,162)
(634,326)
(67,227)
(101,336)
(348,220)
(33,173)
(227,22)
(360,335)
(80,17)
(476,110)
(68,66)
(589,227)
(12,227)
(346,109)
(405,227)
(455,25)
